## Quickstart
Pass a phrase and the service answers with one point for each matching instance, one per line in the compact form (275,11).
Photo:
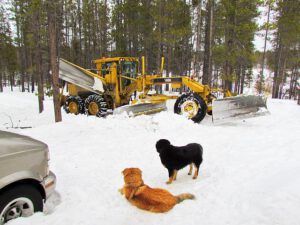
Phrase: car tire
(20,201)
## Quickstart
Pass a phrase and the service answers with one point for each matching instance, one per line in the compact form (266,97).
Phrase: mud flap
(238,107)
(141,109)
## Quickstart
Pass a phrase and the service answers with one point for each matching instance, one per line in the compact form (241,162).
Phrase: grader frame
(116,80)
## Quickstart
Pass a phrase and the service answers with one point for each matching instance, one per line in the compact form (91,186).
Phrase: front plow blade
(238,107)
(141,109)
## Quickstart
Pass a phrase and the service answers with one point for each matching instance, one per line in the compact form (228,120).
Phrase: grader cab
(117,86)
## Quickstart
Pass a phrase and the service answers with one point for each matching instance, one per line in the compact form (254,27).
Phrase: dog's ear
(127,171)
(161,144)
(138,170)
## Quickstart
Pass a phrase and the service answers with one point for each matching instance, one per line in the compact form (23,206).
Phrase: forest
(209,40)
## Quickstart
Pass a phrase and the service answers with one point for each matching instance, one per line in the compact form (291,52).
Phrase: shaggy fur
(175,158)
(147,198)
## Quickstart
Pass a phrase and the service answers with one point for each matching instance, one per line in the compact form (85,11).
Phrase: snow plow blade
(238,107)
(83,78)
(141,109)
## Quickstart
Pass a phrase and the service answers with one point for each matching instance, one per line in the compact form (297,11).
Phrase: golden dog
(147,198)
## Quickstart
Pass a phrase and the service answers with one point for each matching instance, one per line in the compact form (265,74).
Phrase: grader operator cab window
(128,69)
(105,68)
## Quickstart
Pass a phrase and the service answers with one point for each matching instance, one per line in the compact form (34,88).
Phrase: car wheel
(19,201)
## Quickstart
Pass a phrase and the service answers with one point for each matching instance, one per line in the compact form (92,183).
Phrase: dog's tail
(184,196)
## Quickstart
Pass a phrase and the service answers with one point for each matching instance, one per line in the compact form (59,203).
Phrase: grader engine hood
(83,78)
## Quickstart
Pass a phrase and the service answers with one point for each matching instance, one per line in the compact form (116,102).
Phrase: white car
(25,179)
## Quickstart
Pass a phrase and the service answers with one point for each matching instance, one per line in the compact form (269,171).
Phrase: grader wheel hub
(73,107)
(189,109)
(93,108)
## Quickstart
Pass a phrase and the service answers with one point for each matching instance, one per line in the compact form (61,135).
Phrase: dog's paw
(121,191)
(169,182)
(189,173)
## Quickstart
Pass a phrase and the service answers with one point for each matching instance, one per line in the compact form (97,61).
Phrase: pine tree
(261,77)
(8,56)
(287,42)
(53,12)
(207,64)
(234,34)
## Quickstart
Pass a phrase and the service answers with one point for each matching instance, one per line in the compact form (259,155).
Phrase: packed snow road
(250,172)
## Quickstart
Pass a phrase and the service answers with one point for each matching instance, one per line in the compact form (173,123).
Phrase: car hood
(11,143)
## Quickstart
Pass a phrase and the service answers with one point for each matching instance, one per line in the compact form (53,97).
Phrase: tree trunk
(238,81)
(20,38)
(230,44)
(22,66)
(168,67)
(207,64)
(1,84)
(38,60)
(291,92)
(53,7)
(242,80)
(12,81)
(262,77)
(282,76)
(197,55)
(298,96)
(105,30)
(160,46)
(79,30)
(276,81)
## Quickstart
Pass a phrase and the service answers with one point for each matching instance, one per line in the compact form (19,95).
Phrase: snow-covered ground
(250,173)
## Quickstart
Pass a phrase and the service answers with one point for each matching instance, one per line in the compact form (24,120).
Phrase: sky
(259,37)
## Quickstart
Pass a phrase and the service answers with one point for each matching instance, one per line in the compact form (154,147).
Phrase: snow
(98,85)
(250,172)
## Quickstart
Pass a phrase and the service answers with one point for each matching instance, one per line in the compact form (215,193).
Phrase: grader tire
(96,105)
(192,105)
(74,105)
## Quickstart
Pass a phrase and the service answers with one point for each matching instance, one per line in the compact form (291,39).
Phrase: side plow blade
(141,108)
(238,107)
(80,77)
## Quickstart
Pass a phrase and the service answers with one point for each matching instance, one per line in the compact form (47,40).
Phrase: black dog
(175,158)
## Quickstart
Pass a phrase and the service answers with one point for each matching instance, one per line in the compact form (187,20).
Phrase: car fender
(20,175)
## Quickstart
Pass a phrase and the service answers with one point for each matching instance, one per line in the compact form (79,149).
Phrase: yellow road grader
(117,86)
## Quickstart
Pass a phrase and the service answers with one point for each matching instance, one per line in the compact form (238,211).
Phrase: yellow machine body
(120,79)
(111,71)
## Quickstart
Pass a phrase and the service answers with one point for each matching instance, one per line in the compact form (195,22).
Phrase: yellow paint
(113,82)
(162,65)
(93,108)
(73,108)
